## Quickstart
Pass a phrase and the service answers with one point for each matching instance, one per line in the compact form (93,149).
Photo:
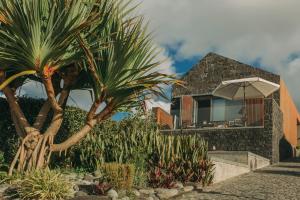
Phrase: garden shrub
(1,158)
(120,176)
(44,185)
(157,159)
(180,158)
(73,119)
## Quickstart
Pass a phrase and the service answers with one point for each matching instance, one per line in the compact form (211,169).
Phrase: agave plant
(99,45)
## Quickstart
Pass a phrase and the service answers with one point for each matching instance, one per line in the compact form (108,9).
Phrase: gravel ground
(276,182)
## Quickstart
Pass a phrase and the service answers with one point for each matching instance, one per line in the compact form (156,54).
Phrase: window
(215,111)
(218,110)
(203,110)
(234,110)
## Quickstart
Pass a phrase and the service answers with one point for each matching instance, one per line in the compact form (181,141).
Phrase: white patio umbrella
(239,89)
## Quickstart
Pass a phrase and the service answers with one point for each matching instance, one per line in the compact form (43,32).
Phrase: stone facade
(205,76)
(263,141)
(277,131)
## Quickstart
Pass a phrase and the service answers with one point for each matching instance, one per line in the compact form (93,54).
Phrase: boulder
(3,187)
(97,174)
(76,188)
(163,193)
(147,191)
(178,185)
(125,198)
(91,197)
(89,177)
(112,194)
(136,193)
(80,194)
(188,188)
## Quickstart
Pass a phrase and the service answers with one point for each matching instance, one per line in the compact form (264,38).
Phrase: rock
(91,197)
(80,194)
(125,198)
(178,185)
(3,188)
(188,188)
(199,186)
(112,194)
(136,193)
(76,188)
(163,193)
(150,198)
(97,174)
(84,182)
(153,197)
(147,191)
(89,177)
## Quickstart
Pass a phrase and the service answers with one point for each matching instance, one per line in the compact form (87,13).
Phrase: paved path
(277,182)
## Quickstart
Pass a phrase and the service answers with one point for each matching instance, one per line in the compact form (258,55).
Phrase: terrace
(209,112)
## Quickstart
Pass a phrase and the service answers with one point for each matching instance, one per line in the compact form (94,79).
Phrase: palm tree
(98,45)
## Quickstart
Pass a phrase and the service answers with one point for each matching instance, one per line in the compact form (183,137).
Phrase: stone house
(272,130)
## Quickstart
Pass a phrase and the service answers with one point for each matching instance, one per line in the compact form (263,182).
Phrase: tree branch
(15,108)
(74,139)
(42,116)
(20,131)
(51,94)
(58,115)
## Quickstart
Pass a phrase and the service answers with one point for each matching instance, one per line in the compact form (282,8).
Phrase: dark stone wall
(277,119)
(263,141)
(205,76)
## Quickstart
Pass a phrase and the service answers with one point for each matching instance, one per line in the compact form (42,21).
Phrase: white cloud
(167,64)
(245,30)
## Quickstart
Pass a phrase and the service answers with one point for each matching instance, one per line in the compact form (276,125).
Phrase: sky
(263,33)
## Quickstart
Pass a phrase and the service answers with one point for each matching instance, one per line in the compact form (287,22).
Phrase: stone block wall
(277,131)
(263,141)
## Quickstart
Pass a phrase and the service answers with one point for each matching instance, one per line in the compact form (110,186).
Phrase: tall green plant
(95,45)
(138,140)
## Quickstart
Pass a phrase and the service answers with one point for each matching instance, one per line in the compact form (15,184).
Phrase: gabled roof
(206,75)
(212,57)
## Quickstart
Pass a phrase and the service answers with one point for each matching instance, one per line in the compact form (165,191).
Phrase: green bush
(9,140)
(44,185)
(120,176)
(179,158)
(134,140)
(1,158)
(137,140)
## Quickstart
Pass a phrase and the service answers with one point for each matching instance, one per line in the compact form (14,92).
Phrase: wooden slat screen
(255,112)
(187,111)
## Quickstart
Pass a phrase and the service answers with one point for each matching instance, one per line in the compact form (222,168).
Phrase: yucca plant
(99,45)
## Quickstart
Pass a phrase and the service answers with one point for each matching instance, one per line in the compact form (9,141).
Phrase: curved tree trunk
(36,148)
(33,153)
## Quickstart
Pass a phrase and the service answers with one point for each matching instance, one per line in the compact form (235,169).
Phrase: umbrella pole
(245,106)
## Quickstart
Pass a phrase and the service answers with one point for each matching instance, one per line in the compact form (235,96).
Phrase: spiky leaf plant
(95,45)
(44,185)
